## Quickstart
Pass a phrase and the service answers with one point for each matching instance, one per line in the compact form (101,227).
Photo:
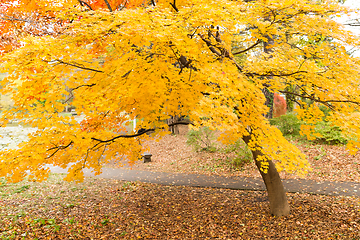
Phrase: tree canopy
(118,60)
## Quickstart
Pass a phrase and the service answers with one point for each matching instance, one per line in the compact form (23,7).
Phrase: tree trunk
(173,129)
(269,95)
(279,205)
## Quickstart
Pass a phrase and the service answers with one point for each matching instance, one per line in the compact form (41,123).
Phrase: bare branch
(82,3)
(108,5)
(276,75)
(220,52)
(71,91)
(174,6)
(124,136)
(325,102)
(249,48)
(58,148)
(9,18)
(121,6)
(210,45)
(140,133)
(85,85)
(78,66)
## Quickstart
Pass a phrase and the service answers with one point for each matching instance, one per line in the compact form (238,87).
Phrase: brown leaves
(108,209)
(172,154)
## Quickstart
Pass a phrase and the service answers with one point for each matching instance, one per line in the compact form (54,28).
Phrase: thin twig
(140,133)
(249,48)
(220,52)
(108,5)
(78,66)
(58,148)
(9,18)
(82,3)
(277,75)
(325,102)
(174,6)
(87,154)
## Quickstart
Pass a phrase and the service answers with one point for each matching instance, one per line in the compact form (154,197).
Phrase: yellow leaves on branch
(201,59)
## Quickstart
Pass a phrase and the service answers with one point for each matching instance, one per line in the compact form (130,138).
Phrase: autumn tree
(154,59)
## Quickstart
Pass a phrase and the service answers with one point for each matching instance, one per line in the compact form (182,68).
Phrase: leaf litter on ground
(112,209)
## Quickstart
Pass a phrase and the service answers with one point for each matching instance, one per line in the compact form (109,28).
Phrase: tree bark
(175,128)
(279,205)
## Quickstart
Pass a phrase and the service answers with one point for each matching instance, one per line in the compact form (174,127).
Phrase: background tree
(152,60)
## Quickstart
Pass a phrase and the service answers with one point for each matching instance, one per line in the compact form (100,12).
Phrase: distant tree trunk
(173,129)
(269,96)
(290,98)
(279,205)
(269,102)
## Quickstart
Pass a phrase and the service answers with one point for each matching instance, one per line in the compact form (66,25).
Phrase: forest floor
(112,209)
(172,154)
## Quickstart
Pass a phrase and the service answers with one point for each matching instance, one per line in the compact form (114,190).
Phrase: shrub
(329,134)
(325,110)
(243,154)
(288,124)
(202,139)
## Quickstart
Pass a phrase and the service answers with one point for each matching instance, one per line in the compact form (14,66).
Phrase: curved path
(197,180)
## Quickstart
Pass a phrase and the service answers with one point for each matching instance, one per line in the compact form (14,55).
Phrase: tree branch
(58,148)
(82,3)
(72,89)
(325,102)
(276,75)
(220,52)
(249,48)
(140,133)
(174,6)
(85,85)
(108,5)
(78,66)
(9,18)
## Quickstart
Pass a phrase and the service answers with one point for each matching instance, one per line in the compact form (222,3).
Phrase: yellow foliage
(151,62)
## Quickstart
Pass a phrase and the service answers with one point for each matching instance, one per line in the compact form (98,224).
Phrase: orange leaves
(150,62)
(113,4)
(279,105)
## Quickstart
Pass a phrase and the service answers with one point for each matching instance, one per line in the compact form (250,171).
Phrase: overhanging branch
(58,148)
(219,51)
(276,74)
(249,48)
(174,6)
(72,89)
(139,133)
(108,5)
(82,3)
(78,66)
(325,102)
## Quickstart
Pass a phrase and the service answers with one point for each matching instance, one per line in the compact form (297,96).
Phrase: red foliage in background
(279,105)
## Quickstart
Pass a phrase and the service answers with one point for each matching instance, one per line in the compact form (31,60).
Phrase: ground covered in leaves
(173,154)
(111,209)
